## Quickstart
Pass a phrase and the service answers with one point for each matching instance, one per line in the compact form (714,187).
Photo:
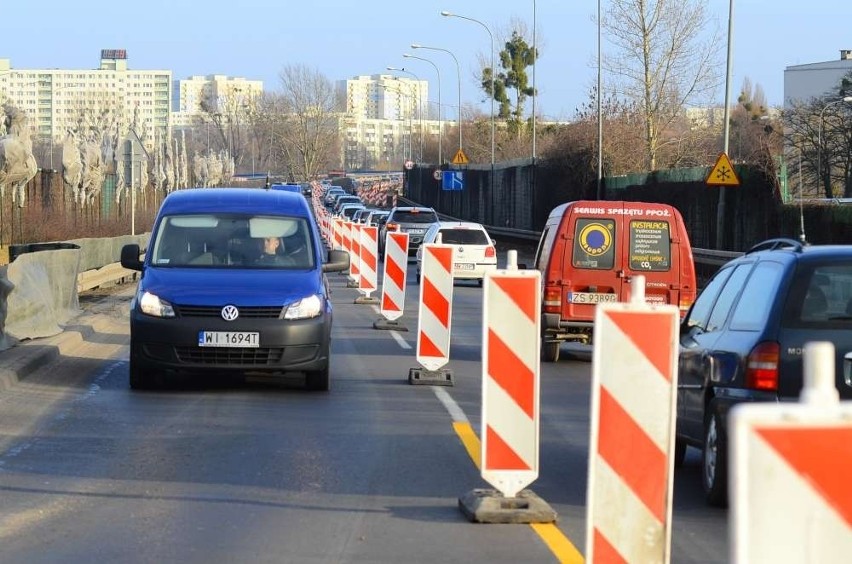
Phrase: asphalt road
(248,471)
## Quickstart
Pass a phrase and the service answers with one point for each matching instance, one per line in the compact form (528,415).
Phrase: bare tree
(665,58)
(310,131)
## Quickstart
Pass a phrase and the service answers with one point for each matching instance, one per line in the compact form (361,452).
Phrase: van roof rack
(778,243)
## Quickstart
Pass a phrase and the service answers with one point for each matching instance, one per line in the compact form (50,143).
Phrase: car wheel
(679,453)
(550,350)
(318,380)
(140,377)
(714,460)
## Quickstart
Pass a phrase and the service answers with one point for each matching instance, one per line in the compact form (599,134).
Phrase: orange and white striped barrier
(393,281)
(337,233)
(634,394)
(511,341)
(354,254)
(790,469)
(434,315)
(510,400)
(368,280)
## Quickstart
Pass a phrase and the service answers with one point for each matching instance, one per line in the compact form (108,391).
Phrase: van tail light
(391,226)
(490,252)
(552,299)
(762,367)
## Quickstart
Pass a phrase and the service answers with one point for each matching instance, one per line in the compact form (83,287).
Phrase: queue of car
(234,280)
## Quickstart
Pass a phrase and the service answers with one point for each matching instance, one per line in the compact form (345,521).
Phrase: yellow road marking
(556,541)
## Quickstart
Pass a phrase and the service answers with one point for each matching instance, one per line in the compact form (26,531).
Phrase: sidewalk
(26,357)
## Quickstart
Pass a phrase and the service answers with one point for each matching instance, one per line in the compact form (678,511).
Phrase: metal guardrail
(705,257)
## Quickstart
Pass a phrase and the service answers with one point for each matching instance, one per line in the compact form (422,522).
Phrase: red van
(587,254)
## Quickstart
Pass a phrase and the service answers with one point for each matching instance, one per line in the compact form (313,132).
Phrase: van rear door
(592,256)
(652,248)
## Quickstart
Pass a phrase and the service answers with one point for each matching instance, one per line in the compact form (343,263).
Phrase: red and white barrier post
(631,464)
(393,282)
(510,400)
(354,254)
(368,279)
(337,234)
(790,470)
(434,317)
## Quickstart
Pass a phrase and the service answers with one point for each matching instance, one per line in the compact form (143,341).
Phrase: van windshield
(233,241)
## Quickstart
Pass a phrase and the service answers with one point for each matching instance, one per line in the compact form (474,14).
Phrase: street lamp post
(819,138)
(440,123)
(458,72)
(535,94)
(493,71)
(419,105)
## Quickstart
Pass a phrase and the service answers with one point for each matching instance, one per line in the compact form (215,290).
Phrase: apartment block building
(386,120)
(57,99)
(226,94)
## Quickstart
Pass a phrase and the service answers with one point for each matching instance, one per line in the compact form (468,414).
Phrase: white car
(474,254)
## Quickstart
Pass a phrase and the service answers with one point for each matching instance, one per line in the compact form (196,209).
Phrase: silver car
(415,221)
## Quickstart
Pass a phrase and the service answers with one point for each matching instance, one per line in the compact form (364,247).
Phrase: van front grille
(260,356)
(262,312)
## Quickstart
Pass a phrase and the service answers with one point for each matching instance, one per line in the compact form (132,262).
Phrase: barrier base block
(366,300)
(389,325)
(422,376)
(489,506)
(351,284)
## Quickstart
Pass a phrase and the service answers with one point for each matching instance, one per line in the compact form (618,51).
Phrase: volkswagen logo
(230,313)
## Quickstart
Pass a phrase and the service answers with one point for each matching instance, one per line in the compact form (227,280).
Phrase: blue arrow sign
(452,180)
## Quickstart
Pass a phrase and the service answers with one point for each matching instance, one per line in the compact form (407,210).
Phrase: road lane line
(398,338)
(560,545)
(453,408)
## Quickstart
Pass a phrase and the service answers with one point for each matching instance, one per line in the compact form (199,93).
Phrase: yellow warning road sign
(722,173)
(460,158)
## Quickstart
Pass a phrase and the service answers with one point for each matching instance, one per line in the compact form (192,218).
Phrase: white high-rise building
(221,92)
(383,96)
(386,120)
(57,100)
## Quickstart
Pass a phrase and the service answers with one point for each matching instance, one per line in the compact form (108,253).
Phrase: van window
(593,244)
(650,246)
(544,246)
(231,240)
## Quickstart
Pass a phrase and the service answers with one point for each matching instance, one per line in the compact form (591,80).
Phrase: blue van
(233,280)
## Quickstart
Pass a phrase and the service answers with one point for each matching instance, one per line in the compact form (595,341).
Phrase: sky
(346,38)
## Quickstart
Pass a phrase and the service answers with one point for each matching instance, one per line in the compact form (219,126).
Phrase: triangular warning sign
(722,173)
(460,158)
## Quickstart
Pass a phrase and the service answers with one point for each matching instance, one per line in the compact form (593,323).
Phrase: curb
(25,358)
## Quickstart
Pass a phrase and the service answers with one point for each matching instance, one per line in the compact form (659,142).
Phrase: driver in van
(269,255)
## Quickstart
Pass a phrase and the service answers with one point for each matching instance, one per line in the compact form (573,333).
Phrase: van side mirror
(338,261)
(130,257)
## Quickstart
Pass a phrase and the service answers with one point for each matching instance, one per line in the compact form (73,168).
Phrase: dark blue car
(233,280)
(743,338)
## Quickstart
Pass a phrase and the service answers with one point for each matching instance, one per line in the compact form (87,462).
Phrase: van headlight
(305,308)
(149,304)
